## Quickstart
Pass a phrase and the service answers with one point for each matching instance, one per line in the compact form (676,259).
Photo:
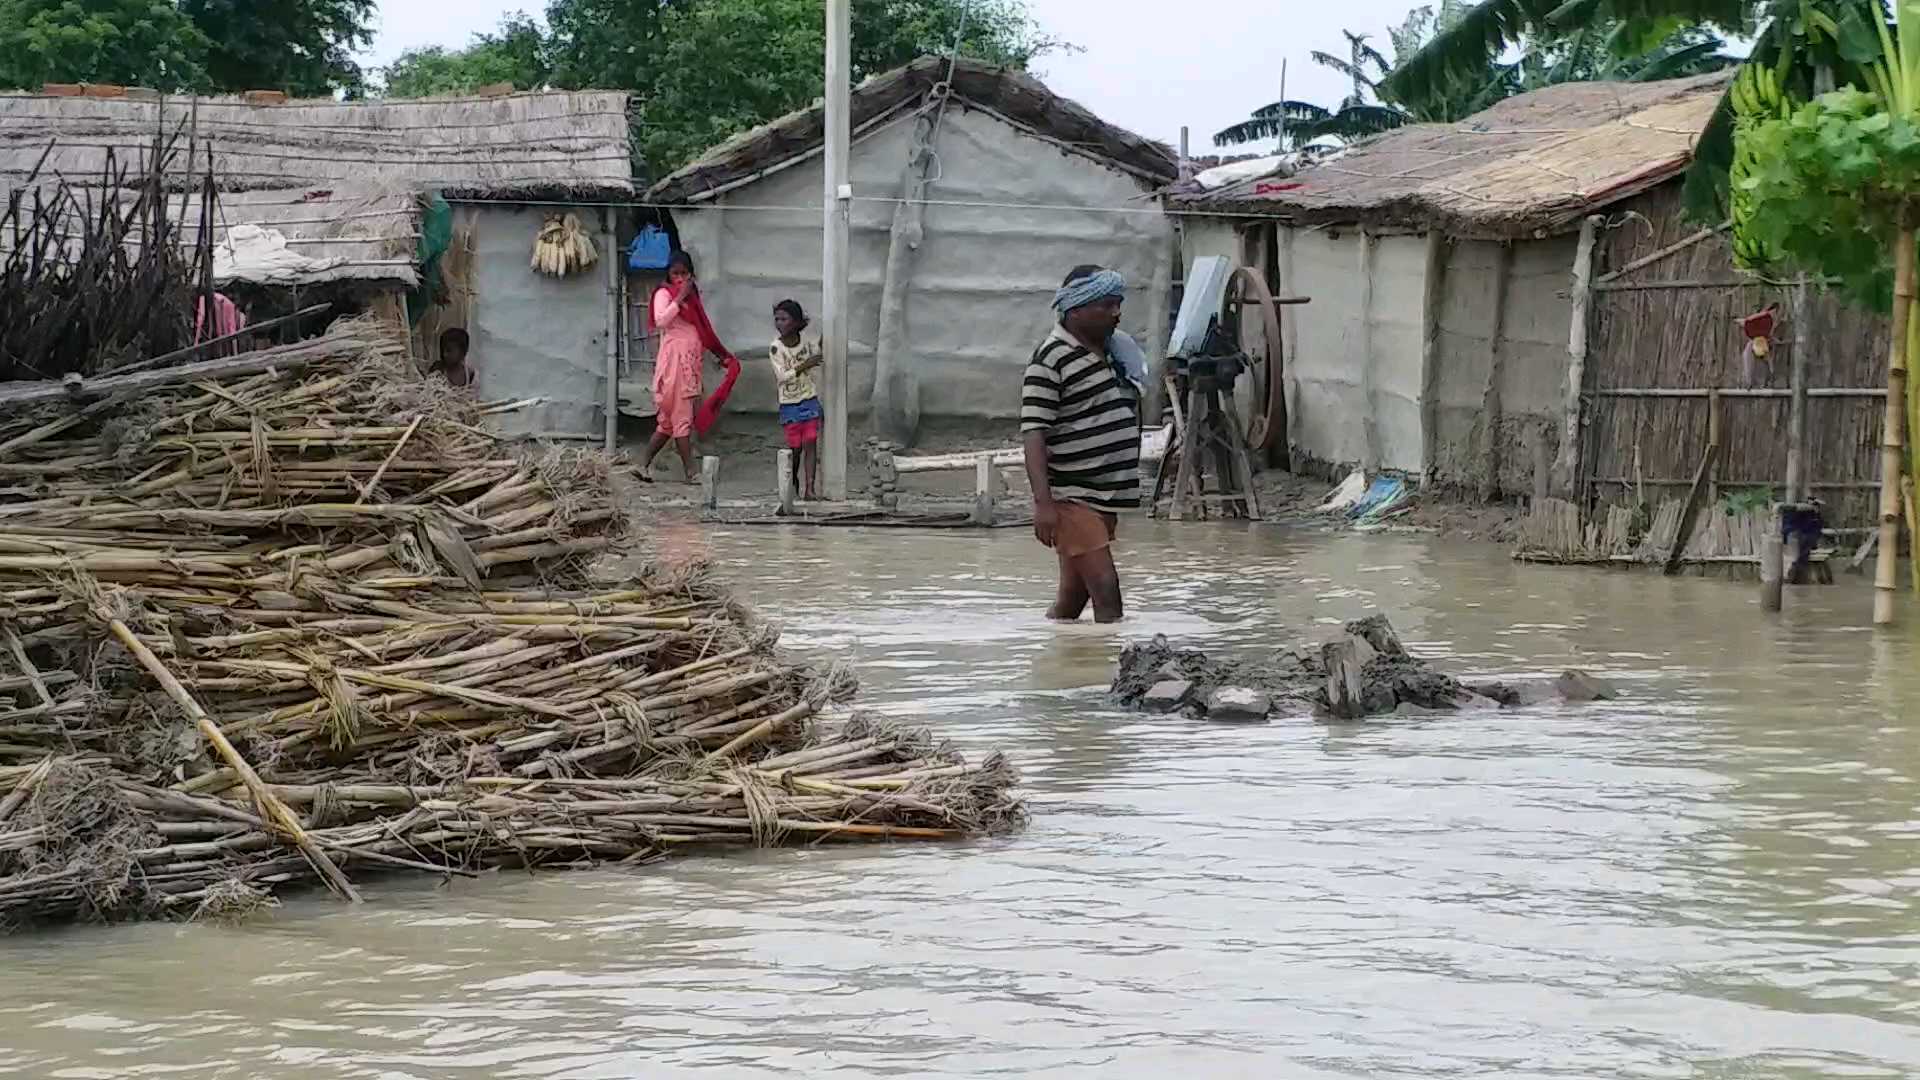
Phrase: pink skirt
(676,387)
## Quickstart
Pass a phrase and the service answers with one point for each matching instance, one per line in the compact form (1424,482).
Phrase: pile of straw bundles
(294,616)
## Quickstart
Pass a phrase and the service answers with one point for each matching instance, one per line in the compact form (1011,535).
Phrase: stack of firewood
(295,616)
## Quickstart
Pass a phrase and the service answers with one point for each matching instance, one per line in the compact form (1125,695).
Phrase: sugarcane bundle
(307,618)
(563,247)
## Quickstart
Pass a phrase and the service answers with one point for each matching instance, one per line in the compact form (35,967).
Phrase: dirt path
(749,453)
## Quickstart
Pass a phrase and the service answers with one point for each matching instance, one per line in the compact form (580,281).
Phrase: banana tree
(1360,56)
(1812,45)
(1287,121)
(1833,187)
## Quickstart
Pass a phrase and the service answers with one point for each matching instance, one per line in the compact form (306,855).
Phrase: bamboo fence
(1667,332)
(306,619)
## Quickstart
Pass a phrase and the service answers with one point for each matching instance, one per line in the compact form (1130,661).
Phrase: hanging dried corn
(563,247)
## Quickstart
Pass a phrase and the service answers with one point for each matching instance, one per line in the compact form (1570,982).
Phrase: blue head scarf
(1091,289)
(1122,350)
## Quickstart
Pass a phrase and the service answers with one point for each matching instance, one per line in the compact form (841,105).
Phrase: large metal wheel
(1249,307)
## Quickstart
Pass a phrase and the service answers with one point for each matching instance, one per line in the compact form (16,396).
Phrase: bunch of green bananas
(1756,96)
(1756,93)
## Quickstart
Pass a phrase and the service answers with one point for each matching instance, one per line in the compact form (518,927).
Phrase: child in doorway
(795,354)
(454,365)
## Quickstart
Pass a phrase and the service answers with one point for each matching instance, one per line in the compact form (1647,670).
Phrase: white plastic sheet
(1347,495)
(261,255)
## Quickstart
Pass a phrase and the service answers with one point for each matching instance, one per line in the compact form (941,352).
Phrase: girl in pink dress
(676,366)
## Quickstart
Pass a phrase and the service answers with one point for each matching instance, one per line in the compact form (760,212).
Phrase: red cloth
(695,312)
(802,433)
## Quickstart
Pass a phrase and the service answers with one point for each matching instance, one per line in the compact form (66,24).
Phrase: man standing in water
(1080,423)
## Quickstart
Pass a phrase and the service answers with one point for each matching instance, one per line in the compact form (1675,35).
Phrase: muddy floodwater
(1716,876)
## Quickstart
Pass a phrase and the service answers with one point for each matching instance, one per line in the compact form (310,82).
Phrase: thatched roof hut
(1531,165)
(314,236)
(1013,96)
(532,145)
(972,195)
(1440,261)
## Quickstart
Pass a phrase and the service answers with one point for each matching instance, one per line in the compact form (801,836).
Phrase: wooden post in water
(709,483)
(1771,559)
(984,479)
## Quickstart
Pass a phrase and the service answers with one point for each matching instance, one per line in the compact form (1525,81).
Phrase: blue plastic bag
(650,249)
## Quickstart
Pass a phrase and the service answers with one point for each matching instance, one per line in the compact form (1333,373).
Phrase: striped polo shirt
(1091,416)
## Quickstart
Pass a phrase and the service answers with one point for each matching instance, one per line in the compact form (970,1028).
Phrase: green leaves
(304,47)
(1297,120)
(1829,185)
(702,70)
(516,53)
(129,42)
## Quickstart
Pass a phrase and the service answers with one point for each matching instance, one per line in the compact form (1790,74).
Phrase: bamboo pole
(388,463)
(271,809)
(1803,337)
(1892,444)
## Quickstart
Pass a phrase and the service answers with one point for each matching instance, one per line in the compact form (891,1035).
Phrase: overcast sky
(1146,66)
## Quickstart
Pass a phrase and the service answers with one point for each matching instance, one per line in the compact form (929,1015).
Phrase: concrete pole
(833,270)
(611,255)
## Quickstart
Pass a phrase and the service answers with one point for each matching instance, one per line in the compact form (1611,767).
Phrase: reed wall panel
(1690,338)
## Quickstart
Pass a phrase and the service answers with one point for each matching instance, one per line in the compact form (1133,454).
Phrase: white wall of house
(1356,359)
(983,277)
(536,336)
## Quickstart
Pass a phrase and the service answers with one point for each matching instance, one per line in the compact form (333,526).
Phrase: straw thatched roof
(1012,95)
(1531,165)
(533,145)
(292,238)
(331,234)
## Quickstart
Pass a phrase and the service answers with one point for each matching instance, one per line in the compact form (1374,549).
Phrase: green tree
(1834,186)
(129,42)
(515,53)
(304,47)
(701,70)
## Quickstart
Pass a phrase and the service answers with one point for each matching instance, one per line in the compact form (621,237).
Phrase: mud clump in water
(1364,672)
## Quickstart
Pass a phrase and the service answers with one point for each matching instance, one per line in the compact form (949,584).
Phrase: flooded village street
(1715,875)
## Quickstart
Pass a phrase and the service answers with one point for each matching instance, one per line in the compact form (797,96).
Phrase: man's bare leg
(1071,597)
(1100,581)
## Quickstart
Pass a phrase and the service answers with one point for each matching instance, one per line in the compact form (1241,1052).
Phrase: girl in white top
(794,355)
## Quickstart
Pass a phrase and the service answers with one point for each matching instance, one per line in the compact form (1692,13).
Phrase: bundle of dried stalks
(300,616)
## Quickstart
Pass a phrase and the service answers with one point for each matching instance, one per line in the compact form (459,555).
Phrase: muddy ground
(1363,672)
(748,447)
